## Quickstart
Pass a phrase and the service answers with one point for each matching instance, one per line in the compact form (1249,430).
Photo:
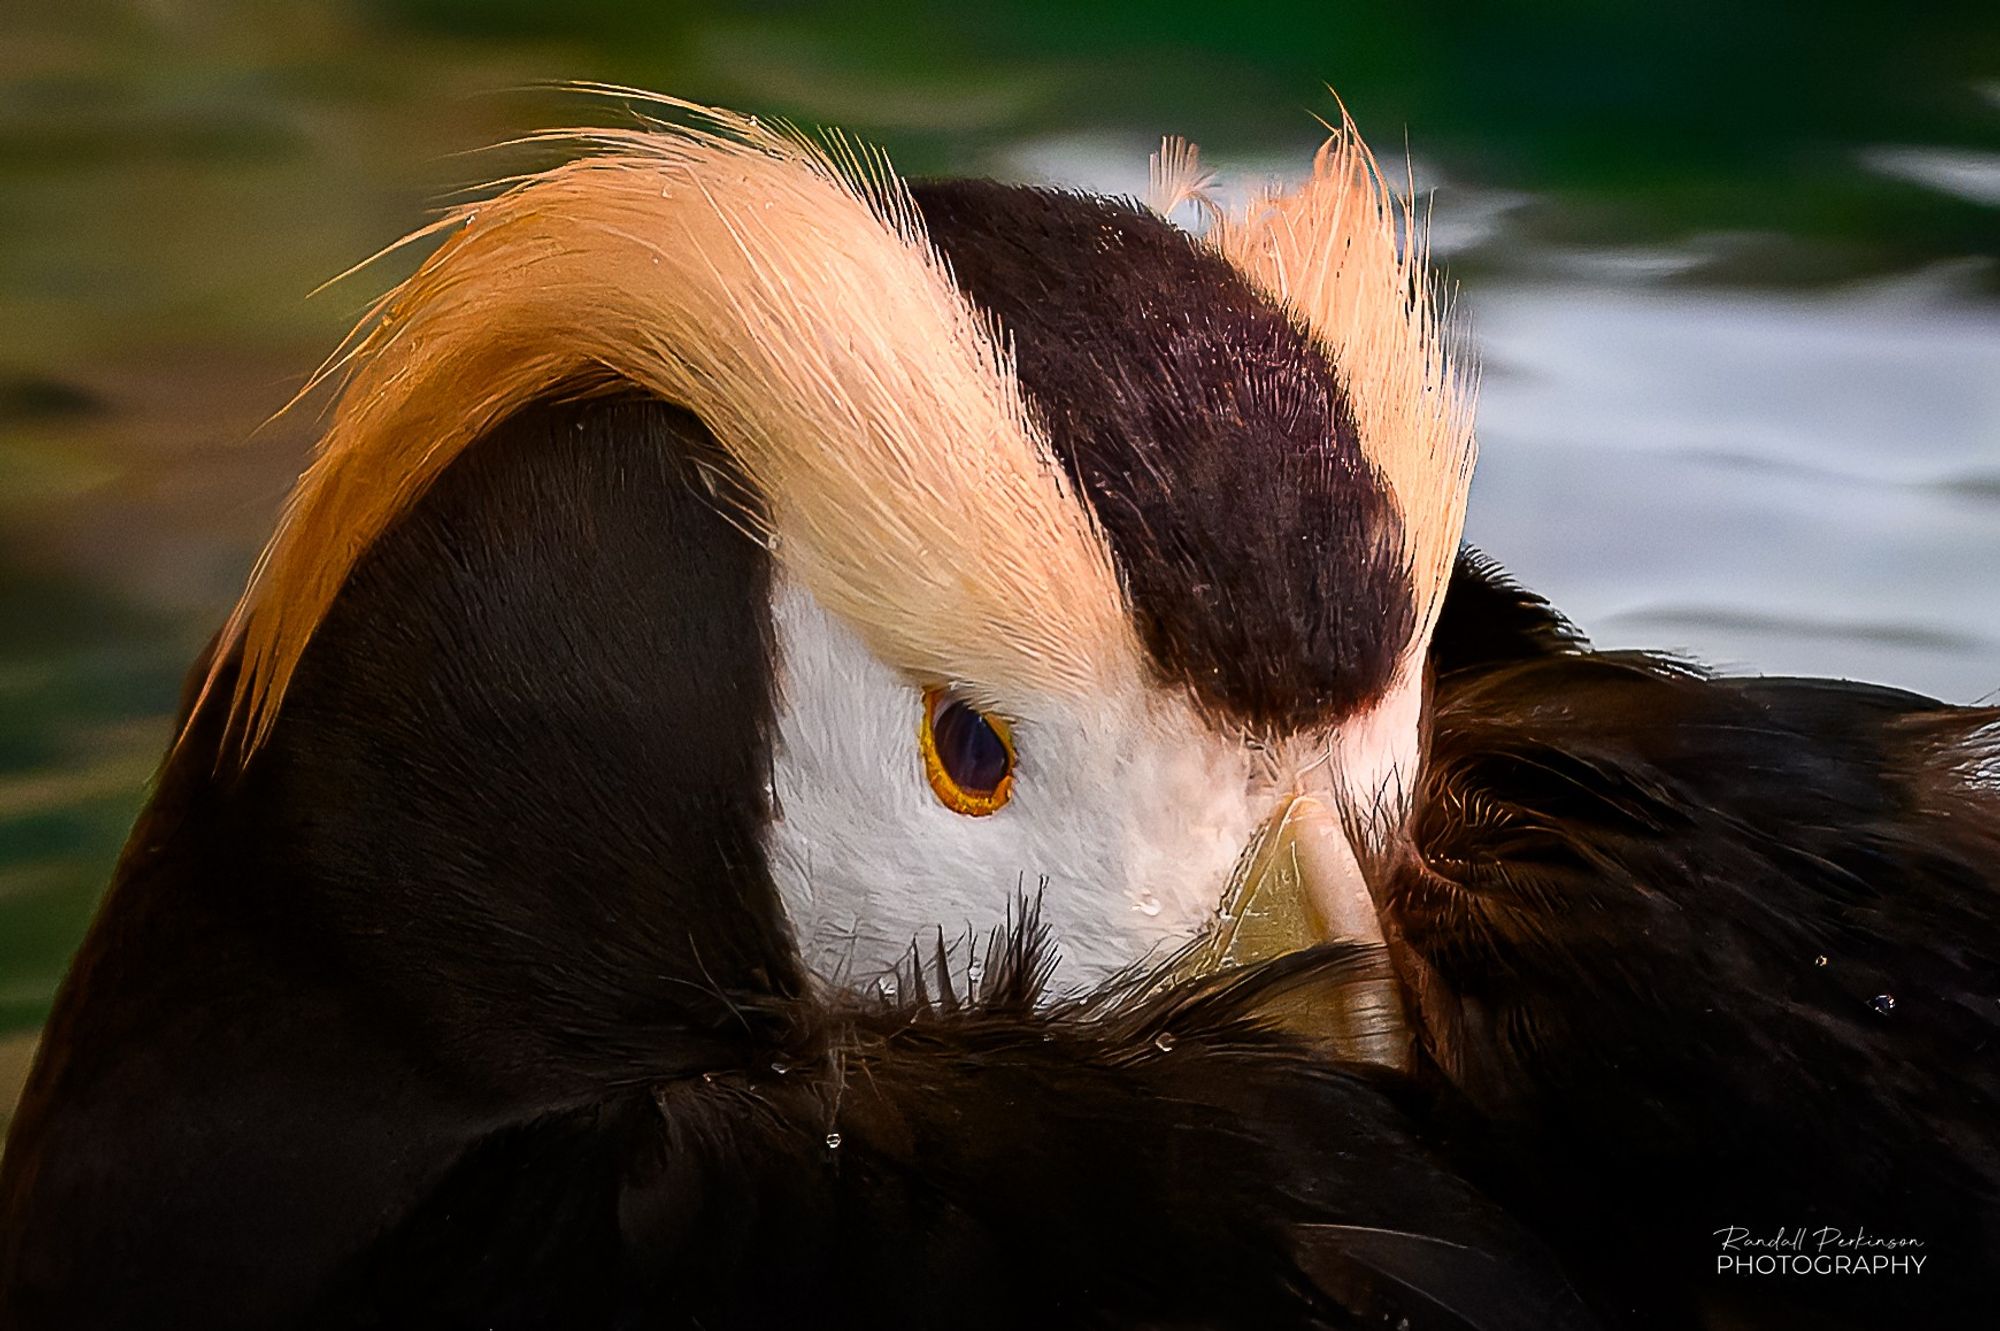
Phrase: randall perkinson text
(1824,1251)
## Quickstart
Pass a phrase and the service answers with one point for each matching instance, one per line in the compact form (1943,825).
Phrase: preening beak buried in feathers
(727,565)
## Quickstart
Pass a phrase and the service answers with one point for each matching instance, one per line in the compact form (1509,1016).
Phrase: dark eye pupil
(970,750)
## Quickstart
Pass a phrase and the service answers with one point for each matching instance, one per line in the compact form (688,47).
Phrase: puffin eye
(968,755)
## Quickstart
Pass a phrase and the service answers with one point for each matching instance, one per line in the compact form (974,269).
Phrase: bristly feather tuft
(781,289)
(1350,259)
(1178,178)
(1185,1163)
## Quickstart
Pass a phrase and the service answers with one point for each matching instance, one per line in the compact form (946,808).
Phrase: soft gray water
(1785,483)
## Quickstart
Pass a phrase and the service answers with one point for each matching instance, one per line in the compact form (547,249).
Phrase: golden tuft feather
(1178,177)
(783,291)
(1350,260)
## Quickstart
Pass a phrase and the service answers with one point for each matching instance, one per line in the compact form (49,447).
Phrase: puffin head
(1089,559)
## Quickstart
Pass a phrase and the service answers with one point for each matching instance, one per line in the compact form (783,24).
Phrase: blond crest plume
(1349,259)
(784,292)
(1177,177)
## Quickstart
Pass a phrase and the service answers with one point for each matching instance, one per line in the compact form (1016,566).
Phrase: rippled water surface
(1734,302)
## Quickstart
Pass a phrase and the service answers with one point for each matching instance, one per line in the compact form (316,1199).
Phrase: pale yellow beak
(1298,885)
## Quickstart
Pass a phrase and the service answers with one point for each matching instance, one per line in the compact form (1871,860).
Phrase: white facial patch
(1127,815)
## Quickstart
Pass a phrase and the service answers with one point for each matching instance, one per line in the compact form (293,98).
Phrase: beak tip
(1300,884)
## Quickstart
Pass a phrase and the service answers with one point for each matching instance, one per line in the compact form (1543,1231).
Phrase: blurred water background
(1731,266)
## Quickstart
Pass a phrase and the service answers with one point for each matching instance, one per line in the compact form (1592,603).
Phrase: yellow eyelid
(972,803)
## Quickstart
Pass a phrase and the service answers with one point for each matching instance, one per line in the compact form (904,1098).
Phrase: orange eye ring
(968,754)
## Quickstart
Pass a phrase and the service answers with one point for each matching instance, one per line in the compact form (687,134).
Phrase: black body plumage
(469,1001)
(1709,952)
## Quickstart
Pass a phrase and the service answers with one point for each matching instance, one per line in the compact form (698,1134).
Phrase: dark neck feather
(500,857)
